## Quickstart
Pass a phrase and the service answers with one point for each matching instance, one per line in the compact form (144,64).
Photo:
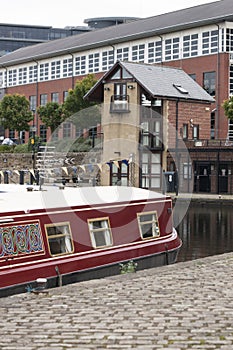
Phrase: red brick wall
(198,112)
(211,63)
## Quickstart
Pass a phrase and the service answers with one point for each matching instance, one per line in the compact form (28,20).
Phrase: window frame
(93,230)
(154,224)
(61,235)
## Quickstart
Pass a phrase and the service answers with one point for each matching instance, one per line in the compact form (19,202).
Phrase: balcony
(119,104)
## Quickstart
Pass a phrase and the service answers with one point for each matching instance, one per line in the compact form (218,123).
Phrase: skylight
(181,89)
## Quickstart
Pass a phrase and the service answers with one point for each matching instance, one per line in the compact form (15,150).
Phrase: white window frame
(152,223)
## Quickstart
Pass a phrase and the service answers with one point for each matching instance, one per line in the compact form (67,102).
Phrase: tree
(74,101)
(52,115)
(86,117)
(15,113)
(228,108)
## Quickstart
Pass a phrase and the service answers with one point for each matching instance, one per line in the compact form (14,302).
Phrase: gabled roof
(214,12)
(157,81)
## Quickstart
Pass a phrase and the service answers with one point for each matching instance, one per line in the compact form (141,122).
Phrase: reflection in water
(206,229)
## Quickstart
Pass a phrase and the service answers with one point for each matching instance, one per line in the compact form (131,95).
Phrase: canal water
(206,229)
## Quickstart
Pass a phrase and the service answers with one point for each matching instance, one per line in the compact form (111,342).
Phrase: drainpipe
(218,88)
(176,151)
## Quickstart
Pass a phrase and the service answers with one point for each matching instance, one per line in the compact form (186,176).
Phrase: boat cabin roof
(26,198)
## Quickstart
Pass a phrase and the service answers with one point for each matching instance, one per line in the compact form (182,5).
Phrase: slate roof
(214,12)
(157,81)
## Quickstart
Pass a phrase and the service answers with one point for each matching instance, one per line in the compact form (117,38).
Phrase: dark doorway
(223,178)
(202,177)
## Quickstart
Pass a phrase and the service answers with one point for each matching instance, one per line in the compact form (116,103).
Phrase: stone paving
(188,305)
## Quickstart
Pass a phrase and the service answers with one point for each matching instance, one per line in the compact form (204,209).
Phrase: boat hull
(159,259)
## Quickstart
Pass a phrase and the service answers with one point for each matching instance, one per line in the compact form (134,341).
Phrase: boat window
(100,232)
(148,225)
(59,238)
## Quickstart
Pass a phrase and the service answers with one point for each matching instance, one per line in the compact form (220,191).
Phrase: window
(56,70)
(33,74)
(209,42)
(172,49)
(185,131)
(44,71)
(119,101)
(43,133)
(66,130)
(195,132)
(32,101)
(187,171)
(55,97)
(80,65)
(190,45)
(67,67)
(100,232)
(59,238)
(12,76)
(65,94)
(148,225)
(123,54)
(107,59)
(93,62)
(43,99)
(138,53)
(119,173)
(22,76)
(155,52)
(151,170)
(229,40)
(209,82)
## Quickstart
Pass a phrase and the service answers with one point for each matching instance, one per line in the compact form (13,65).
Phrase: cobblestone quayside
(188,305)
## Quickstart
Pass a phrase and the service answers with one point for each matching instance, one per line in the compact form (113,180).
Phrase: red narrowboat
(67,234)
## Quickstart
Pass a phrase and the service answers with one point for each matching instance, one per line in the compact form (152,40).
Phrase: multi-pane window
(123,54)
(1,79)
(93,62)
(43,99)
(107,59)
(209,42)
(80,65)
(67,67)
(66,130)
(209,82)
(231,80)
(172,49)
(138,53)
(44,71)
(190,45)
(155,52)
(33,74)
(151,170)
(100,232)
(148,225)
(55,69)
(59,238)
(32,101)
(187,171)
(12,77)
(55,97)
(43,133)
(22,78)
(229,40)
